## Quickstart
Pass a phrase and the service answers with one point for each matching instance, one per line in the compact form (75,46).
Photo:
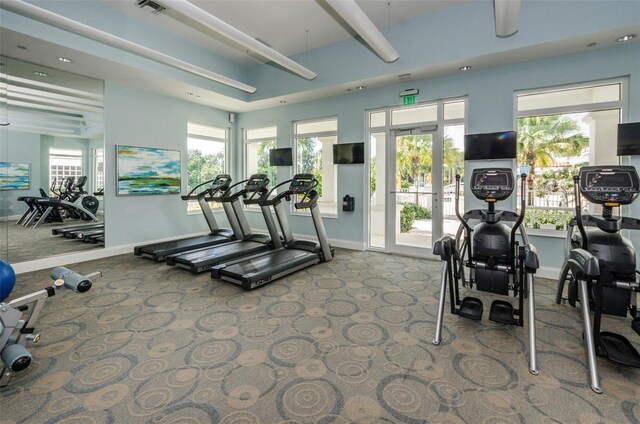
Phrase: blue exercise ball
(7,280)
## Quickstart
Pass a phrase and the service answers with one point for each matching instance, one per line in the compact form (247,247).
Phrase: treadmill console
(609,185)
(303,183)
(492,184)
(222,182)
(256,182)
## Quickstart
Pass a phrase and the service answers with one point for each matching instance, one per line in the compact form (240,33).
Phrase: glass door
(415,182)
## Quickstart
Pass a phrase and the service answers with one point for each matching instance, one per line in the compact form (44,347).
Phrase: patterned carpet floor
(348,341)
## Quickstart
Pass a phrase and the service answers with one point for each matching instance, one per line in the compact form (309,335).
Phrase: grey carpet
(344,342)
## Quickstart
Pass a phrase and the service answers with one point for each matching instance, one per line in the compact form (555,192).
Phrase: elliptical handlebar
(576,194)
(523,207)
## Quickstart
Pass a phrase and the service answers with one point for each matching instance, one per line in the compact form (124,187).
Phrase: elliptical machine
(497,263)
(600,267)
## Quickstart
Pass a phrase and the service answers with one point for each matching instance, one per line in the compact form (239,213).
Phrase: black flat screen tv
(281,157)
(497,145)
(346,153)
(629,139)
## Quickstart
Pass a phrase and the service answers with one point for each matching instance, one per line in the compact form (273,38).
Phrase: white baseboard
(71,258)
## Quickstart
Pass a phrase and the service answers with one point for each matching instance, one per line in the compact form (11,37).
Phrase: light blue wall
(490,108)
(139,118)
(23,148)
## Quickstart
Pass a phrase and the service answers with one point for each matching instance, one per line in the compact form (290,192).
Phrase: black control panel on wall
(348,203)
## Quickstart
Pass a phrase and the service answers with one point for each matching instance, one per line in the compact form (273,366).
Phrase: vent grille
(156,8)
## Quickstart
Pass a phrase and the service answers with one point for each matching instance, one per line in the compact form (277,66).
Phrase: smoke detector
(156,8)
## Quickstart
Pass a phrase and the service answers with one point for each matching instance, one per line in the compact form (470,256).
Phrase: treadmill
(219,186)
(295,254)
(254,191)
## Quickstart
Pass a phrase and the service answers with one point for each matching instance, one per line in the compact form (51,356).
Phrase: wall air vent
(155,7)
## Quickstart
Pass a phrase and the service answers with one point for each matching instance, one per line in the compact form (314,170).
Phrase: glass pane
(205,160)
(206,131)
(377,194)
(414,115)
(316,126)
(554,147)
(377,119)
(453,163)
(569,97)
(314,155)
(266,132)
(257,160)
(414,202)
(454,110)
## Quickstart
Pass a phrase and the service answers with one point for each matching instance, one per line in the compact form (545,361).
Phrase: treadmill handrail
(191,196)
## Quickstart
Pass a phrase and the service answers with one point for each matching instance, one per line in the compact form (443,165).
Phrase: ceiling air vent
(156,8)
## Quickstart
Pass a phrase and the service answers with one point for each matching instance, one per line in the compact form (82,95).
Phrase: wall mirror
(51,162)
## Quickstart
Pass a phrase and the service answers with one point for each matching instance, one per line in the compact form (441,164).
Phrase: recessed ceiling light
(21,47)
(592,44)
(465,68)
(361,87)
(41,74)
(65,60)
(626,38)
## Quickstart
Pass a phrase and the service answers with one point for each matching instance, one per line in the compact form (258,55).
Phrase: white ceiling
(281,24)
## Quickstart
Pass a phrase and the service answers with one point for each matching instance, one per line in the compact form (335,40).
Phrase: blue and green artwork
(14,176)
(147,170)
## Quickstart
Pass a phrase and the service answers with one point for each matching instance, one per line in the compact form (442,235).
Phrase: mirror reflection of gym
(51,161)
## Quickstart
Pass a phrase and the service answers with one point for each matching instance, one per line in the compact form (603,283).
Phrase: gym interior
(319,211)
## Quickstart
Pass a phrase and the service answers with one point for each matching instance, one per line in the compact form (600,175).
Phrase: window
(64,163)
(98,169)
(258,143)
(206,157)
(559,131)
(314,155)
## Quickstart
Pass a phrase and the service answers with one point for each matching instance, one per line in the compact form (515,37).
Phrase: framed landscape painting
(147,170)
(14,176)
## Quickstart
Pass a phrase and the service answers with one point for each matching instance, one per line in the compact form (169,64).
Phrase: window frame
(621,105)
(246,142)
(192,207)
(80,157)
(295,136)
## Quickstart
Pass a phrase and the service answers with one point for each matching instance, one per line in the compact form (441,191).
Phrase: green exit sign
(409,100)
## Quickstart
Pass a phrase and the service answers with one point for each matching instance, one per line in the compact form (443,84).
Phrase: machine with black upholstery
(487,255)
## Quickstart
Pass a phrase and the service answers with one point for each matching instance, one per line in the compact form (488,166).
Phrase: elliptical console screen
(617,184)
(492,183)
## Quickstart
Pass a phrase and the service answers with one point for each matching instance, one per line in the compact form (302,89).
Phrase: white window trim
(621,104)
(294,212)
(245,142)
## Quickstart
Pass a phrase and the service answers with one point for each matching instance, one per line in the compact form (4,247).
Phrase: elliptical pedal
(618,349)
(501,312)
(471,308)
(635,325)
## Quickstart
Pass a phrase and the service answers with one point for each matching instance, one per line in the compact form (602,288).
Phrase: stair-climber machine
(254,190)
(600,267)
(497,262)
(17,330)
(289,256)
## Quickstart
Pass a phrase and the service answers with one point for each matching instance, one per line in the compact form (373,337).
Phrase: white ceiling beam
(507,16)
(360,22)
(25,9)
(221,27)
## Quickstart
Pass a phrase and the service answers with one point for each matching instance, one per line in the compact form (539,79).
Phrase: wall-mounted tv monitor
(629,139)
(281,157)
(345,153)
(497,145)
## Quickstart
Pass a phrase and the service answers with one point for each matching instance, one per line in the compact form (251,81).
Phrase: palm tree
(414,157)
(542,139)
(453,159)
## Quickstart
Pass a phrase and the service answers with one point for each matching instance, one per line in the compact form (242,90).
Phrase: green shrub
(409,213)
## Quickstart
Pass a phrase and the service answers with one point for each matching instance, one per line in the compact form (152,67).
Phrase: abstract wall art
(147,170)
(14,176)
